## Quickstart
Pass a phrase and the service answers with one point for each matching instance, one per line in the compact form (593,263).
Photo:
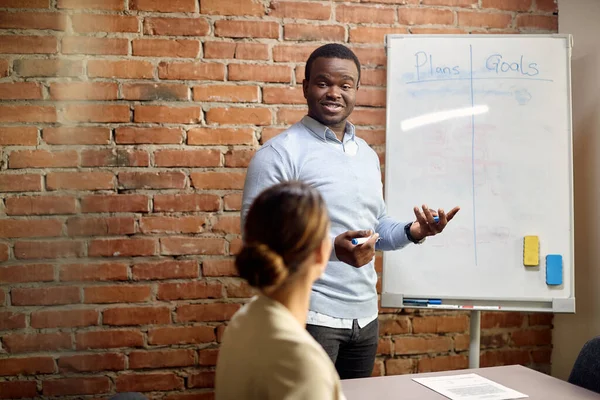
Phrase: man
(322,150)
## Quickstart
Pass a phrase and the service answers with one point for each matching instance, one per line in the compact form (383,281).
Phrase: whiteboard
(482,122)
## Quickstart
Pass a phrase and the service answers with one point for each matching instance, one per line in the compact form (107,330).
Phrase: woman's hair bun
(260,266)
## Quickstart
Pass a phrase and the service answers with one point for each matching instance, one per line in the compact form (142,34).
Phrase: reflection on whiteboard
(469,387)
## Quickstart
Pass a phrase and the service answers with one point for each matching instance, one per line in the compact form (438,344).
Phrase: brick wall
(126,127)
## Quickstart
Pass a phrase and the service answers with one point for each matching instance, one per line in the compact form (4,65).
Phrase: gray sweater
(349,178)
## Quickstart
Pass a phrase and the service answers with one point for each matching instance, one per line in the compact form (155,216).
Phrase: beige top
(267,355)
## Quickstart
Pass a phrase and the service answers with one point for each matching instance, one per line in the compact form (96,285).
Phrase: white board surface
(482,122)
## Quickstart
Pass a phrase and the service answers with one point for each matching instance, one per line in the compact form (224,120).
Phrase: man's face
(330,91)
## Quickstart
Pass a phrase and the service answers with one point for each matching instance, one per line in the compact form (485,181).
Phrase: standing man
(323,151)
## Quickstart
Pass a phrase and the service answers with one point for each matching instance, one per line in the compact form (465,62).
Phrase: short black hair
(331,50)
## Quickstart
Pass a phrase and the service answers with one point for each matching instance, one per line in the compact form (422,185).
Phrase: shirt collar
(324,133)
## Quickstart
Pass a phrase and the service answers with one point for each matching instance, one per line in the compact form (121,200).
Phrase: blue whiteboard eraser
(554,267)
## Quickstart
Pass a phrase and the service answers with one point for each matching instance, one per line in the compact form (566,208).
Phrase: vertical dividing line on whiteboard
(473,151)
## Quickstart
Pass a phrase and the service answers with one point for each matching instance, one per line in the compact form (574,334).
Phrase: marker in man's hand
(362,240)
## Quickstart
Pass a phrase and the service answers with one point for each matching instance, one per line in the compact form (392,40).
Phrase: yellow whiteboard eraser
(531,251)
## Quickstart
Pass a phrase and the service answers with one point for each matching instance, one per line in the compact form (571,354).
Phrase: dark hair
(331,50)
(284,225)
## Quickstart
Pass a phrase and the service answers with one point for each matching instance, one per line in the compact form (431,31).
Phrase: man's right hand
(355,255)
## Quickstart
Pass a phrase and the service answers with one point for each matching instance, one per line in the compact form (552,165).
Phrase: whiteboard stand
(475,341)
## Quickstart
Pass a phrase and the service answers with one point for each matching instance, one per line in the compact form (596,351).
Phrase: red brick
(547,5)
(181,335)
(39,67)
(27,114)
(206,312)
(186,202)
(108,339)
(34,342)
(166,48)
(152,180)
(251,51)
(176,26)
(43,159)
(218,180)
(334,33)
(543,22)
(394,326)
(301,10)
(541,319)
(118,157)
(182,224)
(192,245)
(63,318)
(25,3)
(106,226)
(191,396)
(73,386)
(94,45)
(189,290)
(176,269)
(191,71)
(93,272)
(371,56)
(168,115)
(232,202)
(27,366)
(27,273)
(79,180)
(203,379)
(239,289)
(115,203)
(130,135)
(373,77)
(116,294)
(121,247)
(104,23)
(178,6)
(220,136)
(289,116)
(440,324)
(238,158)
(20,91)
(269,133)
(187,158)
(10,321)
(507,5)
(54,249)
(443,363)
(532,337)
(20,183)
(425,16)
(2,297)
(3,68)
(239,115)
(96,113)
(148,382)
(365,14)
(92,362)
(3,257)
(363,34)
(232,7)
(492,320)
(226,93)
(19,228)
(208,357)
(223,50)
(19,136)
(84,91)
(45,296)
(284,95)
(154,91)
(384,346)
(399,366)
(541,356)
(484,20)
(294,53)
(17,389)
(451,3)
(113,5)
(161,359)
(420,345)
(76,135)
(260,73)
(368,116)
(461,342)
(247,29)
(222,267)
(28,44)
(504,357)
(136,316)
(494,340)
(128,69)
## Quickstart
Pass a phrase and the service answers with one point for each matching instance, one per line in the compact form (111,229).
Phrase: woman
(266,352)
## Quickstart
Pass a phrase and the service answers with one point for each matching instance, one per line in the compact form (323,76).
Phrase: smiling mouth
(332,107)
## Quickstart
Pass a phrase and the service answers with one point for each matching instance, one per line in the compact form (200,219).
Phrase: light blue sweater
(349,178)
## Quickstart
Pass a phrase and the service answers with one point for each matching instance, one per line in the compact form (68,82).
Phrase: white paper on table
(469,387)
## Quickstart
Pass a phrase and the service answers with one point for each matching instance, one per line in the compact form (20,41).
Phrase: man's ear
(304,87)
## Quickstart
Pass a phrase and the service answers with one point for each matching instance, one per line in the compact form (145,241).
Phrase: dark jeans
(351,350)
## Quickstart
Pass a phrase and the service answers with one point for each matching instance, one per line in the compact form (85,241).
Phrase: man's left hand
(426,226)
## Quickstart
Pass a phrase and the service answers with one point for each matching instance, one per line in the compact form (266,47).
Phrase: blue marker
(357,241)
(422,301)
(436,219)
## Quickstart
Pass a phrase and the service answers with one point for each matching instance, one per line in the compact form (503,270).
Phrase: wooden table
(536,385)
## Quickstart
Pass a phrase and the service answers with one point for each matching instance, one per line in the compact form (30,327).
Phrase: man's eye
(346,87)
(321,84)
